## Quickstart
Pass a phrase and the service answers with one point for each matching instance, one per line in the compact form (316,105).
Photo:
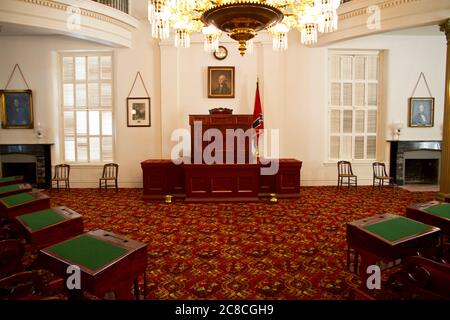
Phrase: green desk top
(12,187)
(442,210)
(17,199)
(397,228)
(7,179)
(41,219)
(87,251)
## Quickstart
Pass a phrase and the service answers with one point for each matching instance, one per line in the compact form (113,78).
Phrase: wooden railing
(121,5)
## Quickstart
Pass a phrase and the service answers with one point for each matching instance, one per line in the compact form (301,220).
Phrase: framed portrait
(138,112)
(421,112)
(17,109)
(221,82)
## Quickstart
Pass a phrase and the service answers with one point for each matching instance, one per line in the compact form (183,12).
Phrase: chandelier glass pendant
(242,20)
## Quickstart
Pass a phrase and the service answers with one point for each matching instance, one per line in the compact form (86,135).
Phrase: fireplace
(415,162)
(33,161)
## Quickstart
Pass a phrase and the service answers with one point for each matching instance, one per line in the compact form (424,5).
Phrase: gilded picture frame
(17,109)
(421,112)
(221,82)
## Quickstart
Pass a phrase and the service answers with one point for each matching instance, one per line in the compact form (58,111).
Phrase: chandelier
(242,20)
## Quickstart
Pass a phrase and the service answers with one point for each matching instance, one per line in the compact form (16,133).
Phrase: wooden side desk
(47,227)
(387,237)
(108,262)
(23,203)
(11,189)
(5,181)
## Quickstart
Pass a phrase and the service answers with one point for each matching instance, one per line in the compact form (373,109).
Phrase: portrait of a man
(17,109)
(421,112)
(220,82)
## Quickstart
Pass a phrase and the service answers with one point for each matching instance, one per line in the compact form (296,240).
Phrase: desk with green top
(108,262)
(23,203)
(50,226)
(5,181)
(434,213)
(388,237)
(11,189)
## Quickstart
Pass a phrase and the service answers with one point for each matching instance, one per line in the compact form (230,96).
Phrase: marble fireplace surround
(401,149)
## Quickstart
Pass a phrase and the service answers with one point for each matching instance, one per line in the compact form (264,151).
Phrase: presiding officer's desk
(224,170)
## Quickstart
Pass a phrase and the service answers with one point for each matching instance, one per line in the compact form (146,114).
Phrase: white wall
(38,59)
(293,87)
(404,57)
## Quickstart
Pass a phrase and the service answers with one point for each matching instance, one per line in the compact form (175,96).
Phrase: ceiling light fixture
(242,20)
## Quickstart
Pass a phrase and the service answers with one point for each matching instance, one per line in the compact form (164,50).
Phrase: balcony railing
(121,5)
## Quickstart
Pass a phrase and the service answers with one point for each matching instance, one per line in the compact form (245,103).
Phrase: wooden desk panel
(219,182)
(161,178)
(70,226)
(222,182)
(38,201)
(117,276)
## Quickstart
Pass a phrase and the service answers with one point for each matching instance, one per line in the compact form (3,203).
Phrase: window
(87,107)
(353,105)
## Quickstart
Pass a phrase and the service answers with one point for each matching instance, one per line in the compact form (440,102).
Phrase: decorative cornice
(383,5)
(445,27)
(83,12)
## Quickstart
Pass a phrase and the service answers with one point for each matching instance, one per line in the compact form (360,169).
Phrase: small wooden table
(47,227)
(11,189)
(108,262)
(387,237)
(23,203)
(6,181)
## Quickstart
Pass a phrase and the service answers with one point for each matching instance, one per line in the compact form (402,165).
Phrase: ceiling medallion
(242,20)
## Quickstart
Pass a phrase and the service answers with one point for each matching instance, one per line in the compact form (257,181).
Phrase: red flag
(258,118)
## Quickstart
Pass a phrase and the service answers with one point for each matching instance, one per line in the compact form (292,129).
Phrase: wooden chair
(380,176)
(421,278)
(345,172)
(110,173)
(62,173)
(28,285)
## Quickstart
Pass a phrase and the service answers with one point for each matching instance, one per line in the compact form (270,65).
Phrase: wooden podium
(197,181)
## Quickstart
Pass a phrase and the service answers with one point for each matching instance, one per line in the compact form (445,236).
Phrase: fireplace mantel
(398,149)
(43,159)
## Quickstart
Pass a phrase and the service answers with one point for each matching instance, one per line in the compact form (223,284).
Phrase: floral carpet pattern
(294,249)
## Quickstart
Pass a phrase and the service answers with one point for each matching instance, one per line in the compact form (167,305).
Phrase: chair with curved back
(62,173)
(345,172)
(380,176)
(110,174)
(422,278)
(29,285)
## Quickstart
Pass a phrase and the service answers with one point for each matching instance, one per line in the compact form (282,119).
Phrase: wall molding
(98,22)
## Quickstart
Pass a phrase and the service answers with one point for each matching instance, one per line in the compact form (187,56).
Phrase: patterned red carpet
(295,249)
